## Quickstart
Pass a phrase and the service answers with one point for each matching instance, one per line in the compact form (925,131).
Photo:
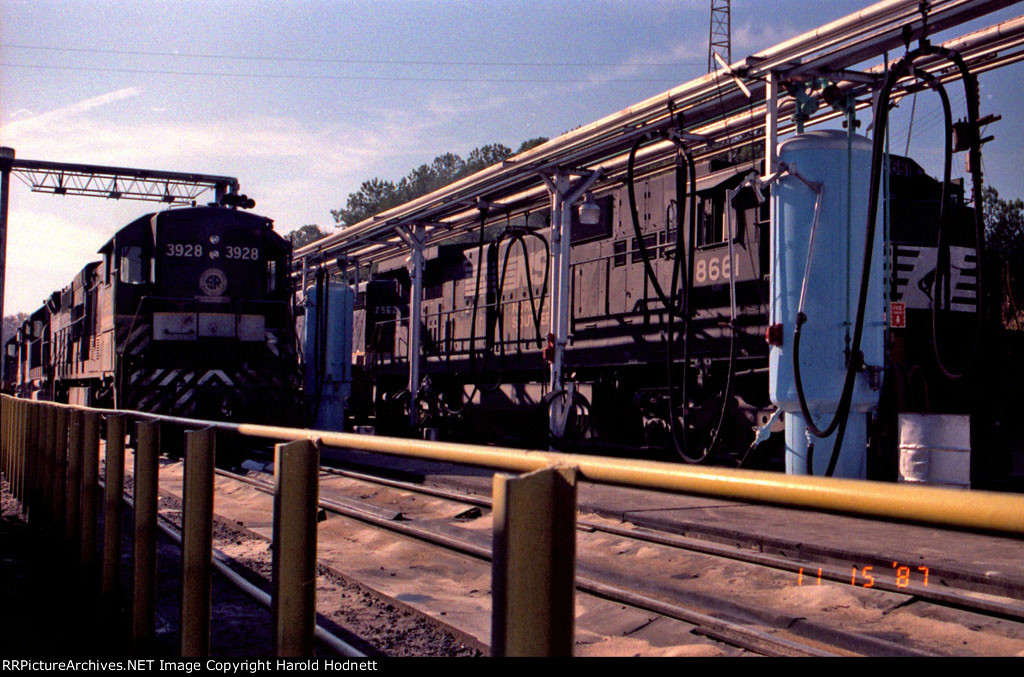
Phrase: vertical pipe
(60,469)
(113,495)
(564,280)
(90,490)
(771,123)
(533,568)
(73,502)
(197,543)
(296,477)
(568,196)
(145,477)
(415,318)
(560,185)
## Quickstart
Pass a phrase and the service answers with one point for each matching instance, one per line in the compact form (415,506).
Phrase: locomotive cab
(200,298)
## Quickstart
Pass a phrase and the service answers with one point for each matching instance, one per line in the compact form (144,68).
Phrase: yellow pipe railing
(41,450)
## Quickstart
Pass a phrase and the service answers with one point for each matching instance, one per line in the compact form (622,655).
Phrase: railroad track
(761,603)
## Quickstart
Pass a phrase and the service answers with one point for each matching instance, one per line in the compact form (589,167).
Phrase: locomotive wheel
(568,420)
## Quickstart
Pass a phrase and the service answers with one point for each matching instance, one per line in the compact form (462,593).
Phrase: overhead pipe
(705,96)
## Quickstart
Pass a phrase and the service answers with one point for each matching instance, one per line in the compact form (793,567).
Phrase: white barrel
(935,449)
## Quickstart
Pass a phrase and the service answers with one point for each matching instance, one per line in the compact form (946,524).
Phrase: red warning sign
(898,315)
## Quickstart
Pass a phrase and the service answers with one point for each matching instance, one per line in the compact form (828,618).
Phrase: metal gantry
(120,183)
(117,183)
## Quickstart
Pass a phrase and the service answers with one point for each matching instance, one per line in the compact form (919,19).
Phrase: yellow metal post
(90,490)
(296,487)
(19,441)
(5,429)
(60,469)
(30,453)
(32,462)
(11,424)
(26,451)
(533,569)
(113,494)
(5,424)
(46,469)
(145,477)
(197,543)
(73,504)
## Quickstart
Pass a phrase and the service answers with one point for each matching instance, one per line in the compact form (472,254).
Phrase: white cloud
(44,251)
(43,121)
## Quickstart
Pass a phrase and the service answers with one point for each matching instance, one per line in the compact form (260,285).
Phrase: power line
(292,59)
(297,76)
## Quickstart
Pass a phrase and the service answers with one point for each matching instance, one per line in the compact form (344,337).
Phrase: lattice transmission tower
(718,37)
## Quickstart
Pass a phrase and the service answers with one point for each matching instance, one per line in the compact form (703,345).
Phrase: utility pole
(719,41)
(6,163)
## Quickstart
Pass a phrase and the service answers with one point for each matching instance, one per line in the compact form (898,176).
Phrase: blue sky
(304,100)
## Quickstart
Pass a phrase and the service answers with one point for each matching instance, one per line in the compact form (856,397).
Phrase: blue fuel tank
(328,358)
(843,166)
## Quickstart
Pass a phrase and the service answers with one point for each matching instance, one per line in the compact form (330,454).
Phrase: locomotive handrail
(984,510)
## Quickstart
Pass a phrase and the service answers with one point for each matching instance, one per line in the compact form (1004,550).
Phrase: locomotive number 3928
(243,253)
(187,250)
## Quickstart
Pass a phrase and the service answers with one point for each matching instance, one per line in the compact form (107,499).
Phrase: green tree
(1004,226)
(530,144)
(1004,240)
(300,237)
(373,196)
(376,195)
(485,156)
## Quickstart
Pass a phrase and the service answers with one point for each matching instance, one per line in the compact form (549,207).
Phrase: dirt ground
(50,610)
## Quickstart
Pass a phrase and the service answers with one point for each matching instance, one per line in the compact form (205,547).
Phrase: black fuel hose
(941,284)
(881,114)
(667,300)
(681,307)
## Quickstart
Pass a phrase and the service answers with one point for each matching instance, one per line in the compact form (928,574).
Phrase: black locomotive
(188,313)
(638,375)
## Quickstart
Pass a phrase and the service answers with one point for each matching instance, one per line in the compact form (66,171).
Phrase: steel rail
(944,596)
(750,636)
(222,563)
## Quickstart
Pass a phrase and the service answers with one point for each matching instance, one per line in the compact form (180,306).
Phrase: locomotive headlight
(214,254)
(215,239)
(590,212)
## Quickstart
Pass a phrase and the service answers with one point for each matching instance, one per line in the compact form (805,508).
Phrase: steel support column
(6,161)
(415,236)
(564,194)
(771,123)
